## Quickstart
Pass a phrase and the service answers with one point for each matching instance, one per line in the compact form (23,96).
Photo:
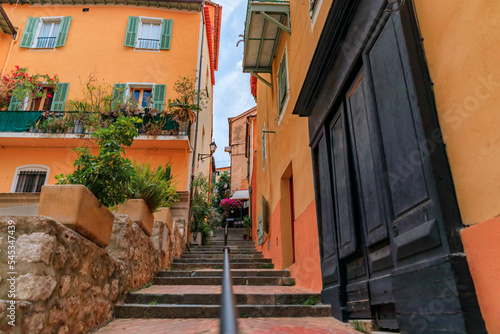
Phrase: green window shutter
(60,97)
(159,92)
(166,34)
(119,91)
(29,32)
(14,104)
(63,31)
(132,27)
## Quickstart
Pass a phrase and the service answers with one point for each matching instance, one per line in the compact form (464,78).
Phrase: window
(54,101)
(45,32)
(44,102)
(146,33)
(282,83)
(30,179)
(147,95)
(142,96)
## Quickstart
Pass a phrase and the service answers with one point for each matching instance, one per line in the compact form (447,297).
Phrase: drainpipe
(196,130)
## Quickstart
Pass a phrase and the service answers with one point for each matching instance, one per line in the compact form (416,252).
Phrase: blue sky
(232,87)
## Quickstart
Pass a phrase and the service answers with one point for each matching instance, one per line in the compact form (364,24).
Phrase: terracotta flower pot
(77,208)
(138,212)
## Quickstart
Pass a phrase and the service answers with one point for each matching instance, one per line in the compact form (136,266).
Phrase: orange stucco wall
(5,42)
(461,44)
(483,253)
(95,43)
(288,151)
(60,160)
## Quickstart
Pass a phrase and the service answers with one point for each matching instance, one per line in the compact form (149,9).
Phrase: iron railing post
(228,322)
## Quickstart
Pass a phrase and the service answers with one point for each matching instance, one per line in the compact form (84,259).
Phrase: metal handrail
(228,322)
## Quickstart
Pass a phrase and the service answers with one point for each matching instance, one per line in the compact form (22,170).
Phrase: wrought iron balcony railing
(71,122)
(144,43)
(45,42)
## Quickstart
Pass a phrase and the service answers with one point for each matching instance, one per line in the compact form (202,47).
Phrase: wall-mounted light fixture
(202,157)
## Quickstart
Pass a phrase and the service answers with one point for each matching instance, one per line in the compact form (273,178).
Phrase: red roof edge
(210,32)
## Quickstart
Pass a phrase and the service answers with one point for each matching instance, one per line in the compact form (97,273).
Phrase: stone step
(213,311)
(218,273)
(218,265)
(221,256)
(220,251)
(214,299)
(221,260)
(249,280)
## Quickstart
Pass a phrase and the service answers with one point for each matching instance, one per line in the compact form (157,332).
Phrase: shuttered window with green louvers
(59,101)
(282,83)
(46,32)
(159,92)
(148,33)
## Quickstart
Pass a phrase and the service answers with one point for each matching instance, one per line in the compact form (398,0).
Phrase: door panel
(342,187)
(327,225)
(365,152)
(402,154)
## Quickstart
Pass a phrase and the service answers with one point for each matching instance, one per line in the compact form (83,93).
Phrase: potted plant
(150,190)
(247,223)
(86,211)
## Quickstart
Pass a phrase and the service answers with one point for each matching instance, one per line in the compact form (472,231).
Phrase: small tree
(200,207)
(107,175)
(188,102)
(222,189)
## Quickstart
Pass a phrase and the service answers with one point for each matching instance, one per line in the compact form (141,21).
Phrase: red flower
(49,96)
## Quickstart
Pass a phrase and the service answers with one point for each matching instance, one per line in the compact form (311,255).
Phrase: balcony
(74,123)
(265,22)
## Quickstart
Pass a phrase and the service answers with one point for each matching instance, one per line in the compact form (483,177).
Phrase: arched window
(30,178)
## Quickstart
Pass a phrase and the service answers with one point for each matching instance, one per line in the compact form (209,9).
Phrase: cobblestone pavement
(246,326)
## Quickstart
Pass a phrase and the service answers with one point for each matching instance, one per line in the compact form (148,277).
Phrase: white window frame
(153,20)
(35,167)
(287,93)
(314,14)
(53,19)
(139,85)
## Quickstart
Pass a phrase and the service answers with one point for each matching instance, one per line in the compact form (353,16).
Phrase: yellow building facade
(140,49)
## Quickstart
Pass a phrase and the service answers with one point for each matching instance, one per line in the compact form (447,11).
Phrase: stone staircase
(192,288)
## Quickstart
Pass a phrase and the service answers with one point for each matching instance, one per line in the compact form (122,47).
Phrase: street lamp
(202,157)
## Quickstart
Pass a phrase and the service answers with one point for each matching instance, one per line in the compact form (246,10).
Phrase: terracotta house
(140,48)
(377,166)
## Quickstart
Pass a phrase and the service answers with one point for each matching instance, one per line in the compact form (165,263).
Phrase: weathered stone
(65,285)
(96,290)
(35,287)
(72,306)
(105,291)
(61,257)
(56,315)
(63,330)
(34,324)
(114,290)
(85,286)
(35,247)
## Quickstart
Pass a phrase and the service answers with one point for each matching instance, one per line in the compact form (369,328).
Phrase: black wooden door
(386,210)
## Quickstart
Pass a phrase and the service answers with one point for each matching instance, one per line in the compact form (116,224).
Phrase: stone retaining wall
(67,284)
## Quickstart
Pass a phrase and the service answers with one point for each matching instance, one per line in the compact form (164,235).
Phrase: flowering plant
(228,204)
(20,84)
